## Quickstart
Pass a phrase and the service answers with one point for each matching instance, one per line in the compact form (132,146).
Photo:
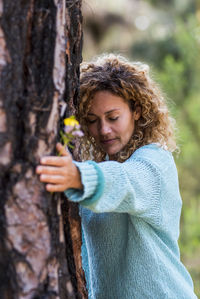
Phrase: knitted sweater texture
(130,220)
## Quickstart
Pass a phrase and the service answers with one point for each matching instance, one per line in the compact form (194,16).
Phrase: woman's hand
(60,173)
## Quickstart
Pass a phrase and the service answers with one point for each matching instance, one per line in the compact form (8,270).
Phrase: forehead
(104,101)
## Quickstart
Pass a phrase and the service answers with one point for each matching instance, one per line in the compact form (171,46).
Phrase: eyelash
(91,121)
(110,119)
(113,118)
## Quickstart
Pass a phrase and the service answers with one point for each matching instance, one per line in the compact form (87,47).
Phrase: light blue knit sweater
(130,219)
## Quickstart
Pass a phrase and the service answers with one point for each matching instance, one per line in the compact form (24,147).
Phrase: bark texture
(38,82)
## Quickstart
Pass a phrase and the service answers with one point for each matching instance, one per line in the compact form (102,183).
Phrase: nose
(104,128)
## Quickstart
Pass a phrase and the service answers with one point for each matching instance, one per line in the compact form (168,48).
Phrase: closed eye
(113,118)
(91,121)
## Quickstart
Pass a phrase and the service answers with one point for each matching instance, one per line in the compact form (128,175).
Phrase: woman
(129,194)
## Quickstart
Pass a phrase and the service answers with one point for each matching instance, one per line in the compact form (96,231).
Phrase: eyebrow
(107,112)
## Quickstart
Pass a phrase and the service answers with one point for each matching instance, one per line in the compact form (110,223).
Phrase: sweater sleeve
(131,187)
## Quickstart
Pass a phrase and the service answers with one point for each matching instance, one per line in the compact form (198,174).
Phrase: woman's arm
(131,187)
(139,186)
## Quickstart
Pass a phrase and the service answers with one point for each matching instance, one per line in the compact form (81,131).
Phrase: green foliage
(161,2)
(157,50)
(181,7)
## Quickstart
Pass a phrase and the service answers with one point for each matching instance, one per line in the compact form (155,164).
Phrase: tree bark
(40,53)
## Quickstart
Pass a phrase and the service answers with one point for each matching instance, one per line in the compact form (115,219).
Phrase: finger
(55,188)
(62,150)
(54,179)
(54,161)
(49,170)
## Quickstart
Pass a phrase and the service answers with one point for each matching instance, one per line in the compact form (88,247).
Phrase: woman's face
(111,122)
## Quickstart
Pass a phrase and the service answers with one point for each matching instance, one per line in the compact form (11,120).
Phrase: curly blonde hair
(131,81)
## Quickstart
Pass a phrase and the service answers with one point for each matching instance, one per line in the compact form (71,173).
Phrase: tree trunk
(37,78)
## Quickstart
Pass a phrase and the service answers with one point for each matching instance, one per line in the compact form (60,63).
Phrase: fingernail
(43,160)
(38,169)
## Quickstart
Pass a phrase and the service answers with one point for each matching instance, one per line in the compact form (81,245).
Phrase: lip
(108,141)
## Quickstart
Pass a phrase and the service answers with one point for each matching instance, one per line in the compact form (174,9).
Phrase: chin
(112,152)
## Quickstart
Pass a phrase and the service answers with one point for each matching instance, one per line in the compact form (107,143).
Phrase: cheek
(129,129)
(126,125)
(92,130)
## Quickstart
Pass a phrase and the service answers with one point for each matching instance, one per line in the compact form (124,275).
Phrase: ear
(137,113)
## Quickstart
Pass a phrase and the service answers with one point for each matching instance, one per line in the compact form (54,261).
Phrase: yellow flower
(71,121)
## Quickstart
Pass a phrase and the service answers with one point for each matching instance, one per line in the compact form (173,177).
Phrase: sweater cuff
(92,180)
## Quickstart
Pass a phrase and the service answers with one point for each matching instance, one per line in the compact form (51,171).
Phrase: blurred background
(166,35)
